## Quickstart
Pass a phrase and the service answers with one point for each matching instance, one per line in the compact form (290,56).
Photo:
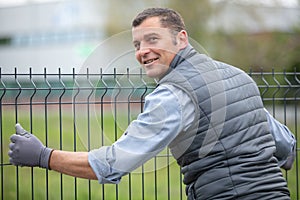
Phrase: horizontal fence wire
(83,111)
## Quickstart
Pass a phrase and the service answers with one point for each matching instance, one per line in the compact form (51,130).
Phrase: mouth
(147,62)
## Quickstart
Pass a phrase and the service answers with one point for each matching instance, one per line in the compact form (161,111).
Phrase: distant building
(53,34)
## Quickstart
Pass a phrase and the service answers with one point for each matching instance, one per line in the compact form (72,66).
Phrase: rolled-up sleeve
(145,137)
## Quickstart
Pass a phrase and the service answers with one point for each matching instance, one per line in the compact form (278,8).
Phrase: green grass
(159,178)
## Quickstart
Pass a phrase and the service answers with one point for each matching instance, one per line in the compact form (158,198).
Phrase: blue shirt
(168,111)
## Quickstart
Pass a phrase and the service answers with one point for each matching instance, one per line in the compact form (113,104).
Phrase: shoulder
(172,99)
(167,92)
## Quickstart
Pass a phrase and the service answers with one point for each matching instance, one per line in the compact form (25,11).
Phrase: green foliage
(265,49)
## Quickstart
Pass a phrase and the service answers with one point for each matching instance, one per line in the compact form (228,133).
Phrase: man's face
(155,47)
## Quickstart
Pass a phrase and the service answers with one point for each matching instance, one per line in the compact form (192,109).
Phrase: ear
(182,39)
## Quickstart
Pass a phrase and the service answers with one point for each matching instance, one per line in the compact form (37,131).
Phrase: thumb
(20,130)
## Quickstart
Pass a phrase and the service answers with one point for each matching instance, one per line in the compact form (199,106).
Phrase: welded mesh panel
(80,112)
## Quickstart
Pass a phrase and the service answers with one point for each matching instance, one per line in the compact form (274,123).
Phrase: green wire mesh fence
(83,111)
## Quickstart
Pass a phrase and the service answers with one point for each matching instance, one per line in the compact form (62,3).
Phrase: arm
(285,142)
(167,112)
(154,129)
(72,163)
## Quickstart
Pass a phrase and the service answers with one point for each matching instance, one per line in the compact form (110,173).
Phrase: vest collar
(182,55)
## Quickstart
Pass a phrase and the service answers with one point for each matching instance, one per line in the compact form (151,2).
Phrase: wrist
(45,157)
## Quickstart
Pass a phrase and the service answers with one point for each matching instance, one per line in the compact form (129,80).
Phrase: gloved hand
(28,150)
(290,160)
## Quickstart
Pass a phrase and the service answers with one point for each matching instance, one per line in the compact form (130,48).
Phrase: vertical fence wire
(61,125)
(115,97)
(89,123)
(62,106)
(297,93)
(1,135)
(77,91)
(285,121)
(16,121)
(48,88)
(141,110)
(31,122)
(128,122)
(102,118)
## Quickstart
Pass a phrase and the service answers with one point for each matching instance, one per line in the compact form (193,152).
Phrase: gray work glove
(28,150)
(290,160)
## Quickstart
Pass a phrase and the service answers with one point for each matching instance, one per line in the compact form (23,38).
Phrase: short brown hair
(169,18)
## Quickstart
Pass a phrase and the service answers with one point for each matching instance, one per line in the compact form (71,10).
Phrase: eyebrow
(150,35)
(145,37)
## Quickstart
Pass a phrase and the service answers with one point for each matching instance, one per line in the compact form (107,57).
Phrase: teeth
(150,61)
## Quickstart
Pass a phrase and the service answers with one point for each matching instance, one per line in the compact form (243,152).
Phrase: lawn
(159,178)
(81,128)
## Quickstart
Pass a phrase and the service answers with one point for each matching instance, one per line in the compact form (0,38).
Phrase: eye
(152,39)
(136,46)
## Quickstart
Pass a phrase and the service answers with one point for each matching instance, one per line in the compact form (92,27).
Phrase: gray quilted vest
(228,152)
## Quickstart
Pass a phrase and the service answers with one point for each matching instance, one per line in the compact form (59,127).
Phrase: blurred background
(63,33)
(76,34)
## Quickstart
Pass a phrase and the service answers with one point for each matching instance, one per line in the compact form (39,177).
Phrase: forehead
(148,26)
(150,22)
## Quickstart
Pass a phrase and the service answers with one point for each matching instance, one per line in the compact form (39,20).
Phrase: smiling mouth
(150,61)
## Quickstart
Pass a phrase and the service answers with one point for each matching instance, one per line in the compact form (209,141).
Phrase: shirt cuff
(100,169)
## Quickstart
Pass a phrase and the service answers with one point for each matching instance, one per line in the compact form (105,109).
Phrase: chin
(151,75)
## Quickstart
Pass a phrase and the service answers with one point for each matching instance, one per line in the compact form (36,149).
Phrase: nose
(142,53)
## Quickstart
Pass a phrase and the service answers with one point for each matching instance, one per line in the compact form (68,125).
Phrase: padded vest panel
(228,151)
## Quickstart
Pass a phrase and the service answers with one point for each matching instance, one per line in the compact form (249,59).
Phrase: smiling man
(208,113)
(156,46)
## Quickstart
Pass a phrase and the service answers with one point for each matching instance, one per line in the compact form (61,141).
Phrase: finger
(14,138)
(11,146)
(10,154)
(20,130)
(11,160)
(14,162)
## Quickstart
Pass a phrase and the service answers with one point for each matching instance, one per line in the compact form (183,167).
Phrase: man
(209,113)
